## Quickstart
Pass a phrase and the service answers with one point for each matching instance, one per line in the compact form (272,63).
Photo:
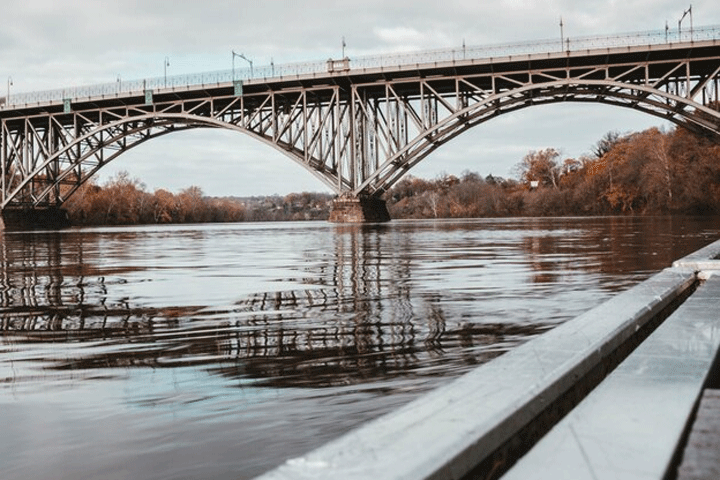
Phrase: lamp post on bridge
(9,84)
(685,13)
(233,64)
(235,54)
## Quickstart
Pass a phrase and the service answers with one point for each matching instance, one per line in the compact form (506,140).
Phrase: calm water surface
(220,351)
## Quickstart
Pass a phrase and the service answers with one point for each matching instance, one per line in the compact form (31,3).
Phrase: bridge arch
(682,111)
(120,136)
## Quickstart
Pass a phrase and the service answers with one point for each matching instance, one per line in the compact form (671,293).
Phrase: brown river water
(219,351)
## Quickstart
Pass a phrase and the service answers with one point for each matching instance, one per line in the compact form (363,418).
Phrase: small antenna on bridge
(343,47)
(166,64)
(562,35)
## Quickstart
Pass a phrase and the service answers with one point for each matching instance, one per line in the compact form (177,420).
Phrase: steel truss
(358,132)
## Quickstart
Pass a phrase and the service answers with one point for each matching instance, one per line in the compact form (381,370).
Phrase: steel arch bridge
(358,126)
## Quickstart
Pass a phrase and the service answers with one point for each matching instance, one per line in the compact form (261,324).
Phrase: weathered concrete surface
(347,209)
(29,219)
(631,425)
(704,261)
(701,459)
(447,433)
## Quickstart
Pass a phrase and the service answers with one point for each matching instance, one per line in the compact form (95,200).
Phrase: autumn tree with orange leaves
(647,173)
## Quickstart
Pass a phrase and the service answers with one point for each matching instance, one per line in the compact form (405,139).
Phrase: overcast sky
(50,44)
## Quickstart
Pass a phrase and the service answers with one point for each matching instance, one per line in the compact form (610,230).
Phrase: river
(218,351)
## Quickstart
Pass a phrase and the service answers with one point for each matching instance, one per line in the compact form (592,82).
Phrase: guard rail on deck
(479,424)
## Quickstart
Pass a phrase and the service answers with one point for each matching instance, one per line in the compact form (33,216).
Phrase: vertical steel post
(337,140)
(26,153)
(353,147)
(305,125)
(3,158)
(423,120)
(377,136)
(274,118)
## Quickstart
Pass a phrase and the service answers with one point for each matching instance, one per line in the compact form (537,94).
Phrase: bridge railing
(464,53)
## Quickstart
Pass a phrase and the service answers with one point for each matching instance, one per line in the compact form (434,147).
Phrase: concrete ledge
(450,431)
(701,458)
(705,260)
(631,426)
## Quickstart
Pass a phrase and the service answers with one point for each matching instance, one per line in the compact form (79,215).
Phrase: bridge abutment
(33,218)
(363,209)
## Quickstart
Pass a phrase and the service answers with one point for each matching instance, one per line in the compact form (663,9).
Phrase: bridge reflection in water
(361,322)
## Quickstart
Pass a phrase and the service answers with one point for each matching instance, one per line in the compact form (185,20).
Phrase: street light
(235,54)
(9,84)
(233,64)
(166,64)
(119,82)
(685,13)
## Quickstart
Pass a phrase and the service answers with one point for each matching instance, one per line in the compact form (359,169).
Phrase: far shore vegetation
(653,172)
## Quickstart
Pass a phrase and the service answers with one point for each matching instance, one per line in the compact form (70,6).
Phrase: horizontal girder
(358,132)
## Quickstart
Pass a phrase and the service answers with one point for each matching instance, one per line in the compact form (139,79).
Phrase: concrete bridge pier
(33,218)
(360,209)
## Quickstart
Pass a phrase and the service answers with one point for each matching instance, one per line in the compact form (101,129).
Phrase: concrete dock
(614,393)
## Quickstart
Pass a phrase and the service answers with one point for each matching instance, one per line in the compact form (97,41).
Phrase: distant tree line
(648,173)
(123,200)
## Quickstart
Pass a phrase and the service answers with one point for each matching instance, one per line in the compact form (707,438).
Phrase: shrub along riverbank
(125,201)
(649,173)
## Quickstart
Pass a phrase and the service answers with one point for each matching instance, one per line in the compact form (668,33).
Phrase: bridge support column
(33,218)
(363,209)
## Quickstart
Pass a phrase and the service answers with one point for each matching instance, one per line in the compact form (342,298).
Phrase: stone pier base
(31,219)
(347,209)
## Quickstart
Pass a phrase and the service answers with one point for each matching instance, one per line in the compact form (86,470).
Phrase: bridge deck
(632,422)
(29,106)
